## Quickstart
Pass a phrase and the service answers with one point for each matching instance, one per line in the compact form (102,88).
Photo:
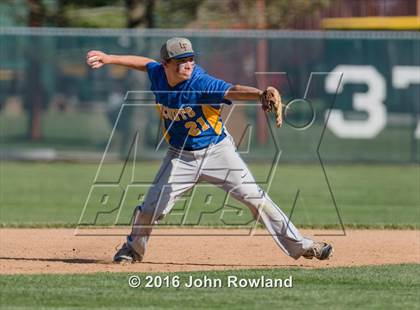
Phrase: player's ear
(165,62)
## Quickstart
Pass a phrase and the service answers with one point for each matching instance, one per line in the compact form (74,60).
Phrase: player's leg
(225,168)
(177,174)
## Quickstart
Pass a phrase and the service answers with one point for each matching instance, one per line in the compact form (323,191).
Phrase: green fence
(361,92)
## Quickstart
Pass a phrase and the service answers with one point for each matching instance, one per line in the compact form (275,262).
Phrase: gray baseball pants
(221,165)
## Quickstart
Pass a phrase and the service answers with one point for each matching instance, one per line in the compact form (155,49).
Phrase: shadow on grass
(97,261)
(219,264)
(61,260)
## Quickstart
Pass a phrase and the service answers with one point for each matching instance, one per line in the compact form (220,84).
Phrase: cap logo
(183,46)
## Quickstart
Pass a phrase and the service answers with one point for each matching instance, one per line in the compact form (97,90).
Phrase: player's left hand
(271,102)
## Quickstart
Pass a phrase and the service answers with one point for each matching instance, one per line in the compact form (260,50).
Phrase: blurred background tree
(214,14)
(159,13)
(246,13)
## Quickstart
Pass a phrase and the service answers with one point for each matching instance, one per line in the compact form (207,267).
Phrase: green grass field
(53,194)
(384,287)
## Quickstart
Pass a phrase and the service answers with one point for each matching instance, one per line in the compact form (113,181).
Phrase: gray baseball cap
(176,48)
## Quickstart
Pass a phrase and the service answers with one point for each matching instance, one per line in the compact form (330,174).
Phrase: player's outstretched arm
(269,99)
(96,59)
(241,92)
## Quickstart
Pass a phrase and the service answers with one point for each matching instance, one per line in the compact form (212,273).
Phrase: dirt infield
(32,251)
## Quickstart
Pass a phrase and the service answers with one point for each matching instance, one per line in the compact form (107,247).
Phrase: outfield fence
(354,96)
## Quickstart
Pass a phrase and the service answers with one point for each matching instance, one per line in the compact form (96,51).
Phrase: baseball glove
(271,102)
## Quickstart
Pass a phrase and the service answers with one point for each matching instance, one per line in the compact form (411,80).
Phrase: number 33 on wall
(370,102)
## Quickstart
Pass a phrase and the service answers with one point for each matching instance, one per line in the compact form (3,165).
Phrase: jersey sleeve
(212,90)
(153,69)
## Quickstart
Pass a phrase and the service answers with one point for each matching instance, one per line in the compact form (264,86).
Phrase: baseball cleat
(126,255)
(319,250)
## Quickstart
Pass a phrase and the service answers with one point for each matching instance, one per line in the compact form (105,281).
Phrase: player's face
(182,68)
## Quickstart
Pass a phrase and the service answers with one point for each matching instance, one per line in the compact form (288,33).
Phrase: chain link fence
(360,93)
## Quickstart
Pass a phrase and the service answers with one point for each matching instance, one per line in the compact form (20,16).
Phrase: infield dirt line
(38,251)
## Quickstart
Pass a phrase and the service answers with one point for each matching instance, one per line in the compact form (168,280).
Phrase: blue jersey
(191,109)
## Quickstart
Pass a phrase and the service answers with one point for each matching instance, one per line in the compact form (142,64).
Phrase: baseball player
(200,148)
